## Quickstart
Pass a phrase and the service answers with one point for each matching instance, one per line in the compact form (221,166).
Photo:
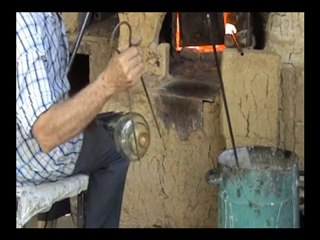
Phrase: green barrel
(262,193)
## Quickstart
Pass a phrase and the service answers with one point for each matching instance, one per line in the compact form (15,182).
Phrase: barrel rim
(290,157)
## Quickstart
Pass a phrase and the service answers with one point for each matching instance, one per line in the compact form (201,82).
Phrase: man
(58,136)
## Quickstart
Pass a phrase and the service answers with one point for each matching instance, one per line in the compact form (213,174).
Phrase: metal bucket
(262,193)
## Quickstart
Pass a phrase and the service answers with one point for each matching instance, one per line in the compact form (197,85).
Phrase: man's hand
(123,70)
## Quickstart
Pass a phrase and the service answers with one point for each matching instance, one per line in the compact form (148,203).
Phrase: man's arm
(65,120)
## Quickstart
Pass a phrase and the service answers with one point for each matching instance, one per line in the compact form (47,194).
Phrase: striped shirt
(41,62)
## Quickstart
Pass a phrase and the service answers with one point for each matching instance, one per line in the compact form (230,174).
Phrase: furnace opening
(191,36)
(191,53)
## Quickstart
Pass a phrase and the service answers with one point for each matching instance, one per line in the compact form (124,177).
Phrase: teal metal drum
(262,193)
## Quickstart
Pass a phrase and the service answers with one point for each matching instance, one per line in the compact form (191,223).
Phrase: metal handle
(301,191)
(213,177)
(301,179)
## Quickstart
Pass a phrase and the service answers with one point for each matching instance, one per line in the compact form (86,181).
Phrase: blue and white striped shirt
(41,63)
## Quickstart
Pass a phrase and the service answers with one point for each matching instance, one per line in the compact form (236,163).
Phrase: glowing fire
(229,28)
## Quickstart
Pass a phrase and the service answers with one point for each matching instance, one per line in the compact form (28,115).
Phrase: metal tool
(142,81)
(128,92)
(79,38)
(222,91)
(235,39)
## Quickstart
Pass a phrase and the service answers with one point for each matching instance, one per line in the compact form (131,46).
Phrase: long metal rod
(152,111)
(223,92)
(235,39)
(79,38)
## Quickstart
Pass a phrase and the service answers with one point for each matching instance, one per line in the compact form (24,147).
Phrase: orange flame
(205,48)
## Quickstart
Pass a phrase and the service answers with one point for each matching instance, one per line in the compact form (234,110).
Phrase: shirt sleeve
(34,95)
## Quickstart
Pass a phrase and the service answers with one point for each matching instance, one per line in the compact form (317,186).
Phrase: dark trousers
(107,171)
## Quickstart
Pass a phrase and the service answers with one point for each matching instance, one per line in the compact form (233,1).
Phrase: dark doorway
(79,74)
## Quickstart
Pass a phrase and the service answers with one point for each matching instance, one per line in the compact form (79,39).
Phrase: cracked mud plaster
(286,38)
(252,85)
